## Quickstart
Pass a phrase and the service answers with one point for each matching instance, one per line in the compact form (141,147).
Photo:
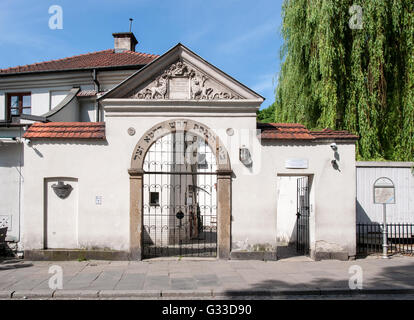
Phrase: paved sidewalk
(204,278)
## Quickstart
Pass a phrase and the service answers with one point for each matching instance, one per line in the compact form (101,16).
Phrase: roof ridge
(68,59)
(57,60)
(139,53)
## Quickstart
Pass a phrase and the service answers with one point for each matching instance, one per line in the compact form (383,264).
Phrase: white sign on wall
(384,191)
(296,163)
(98,200)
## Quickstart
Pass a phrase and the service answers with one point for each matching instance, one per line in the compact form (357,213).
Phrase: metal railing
(400,238)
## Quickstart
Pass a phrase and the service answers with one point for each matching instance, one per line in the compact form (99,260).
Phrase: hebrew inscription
(166,127)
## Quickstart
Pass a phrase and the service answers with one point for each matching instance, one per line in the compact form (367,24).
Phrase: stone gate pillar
(135,217)
(224,213)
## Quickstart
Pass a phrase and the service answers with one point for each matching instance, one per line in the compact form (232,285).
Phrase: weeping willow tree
(360,79)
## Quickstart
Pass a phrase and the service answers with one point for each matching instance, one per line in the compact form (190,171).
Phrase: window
(202,162)
(19,103)
(154,198)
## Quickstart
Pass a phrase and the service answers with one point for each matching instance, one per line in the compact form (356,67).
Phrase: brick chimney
(124,41)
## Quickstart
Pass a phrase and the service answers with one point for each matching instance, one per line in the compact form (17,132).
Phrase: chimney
(124,41)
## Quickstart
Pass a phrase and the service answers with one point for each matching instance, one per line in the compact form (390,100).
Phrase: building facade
(164,157)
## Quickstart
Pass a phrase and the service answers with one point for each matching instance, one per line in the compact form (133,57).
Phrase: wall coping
(384,164)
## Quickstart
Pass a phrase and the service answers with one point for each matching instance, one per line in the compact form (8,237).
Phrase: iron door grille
(180,202)
(302,220)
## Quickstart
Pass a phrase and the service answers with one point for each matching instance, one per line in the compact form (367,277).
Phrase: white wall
(87,112)
(48,89)
(403,178)
(11,182)
(101,169)
(61,215)
(56,96)
(286,209)
(2,106)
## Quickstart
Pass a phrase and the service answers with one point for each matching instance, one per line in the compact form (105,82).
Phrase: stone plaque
(179,88)
(296,163)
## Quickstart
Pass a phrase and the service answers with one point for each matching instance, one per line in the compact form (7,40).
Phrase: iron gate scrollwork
(180,202)
(302,216)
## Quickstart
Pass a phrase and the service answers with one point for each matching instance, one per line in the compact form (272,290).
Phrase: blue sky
(241,37)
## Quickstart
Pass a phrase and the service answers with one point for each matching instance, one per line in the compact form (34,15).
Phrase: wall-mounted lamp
(334,162)
(245,156)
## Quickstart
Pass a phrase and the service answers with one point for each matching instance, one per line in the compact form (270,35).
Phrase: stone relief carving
(200,87)
(62,190)
(158,91)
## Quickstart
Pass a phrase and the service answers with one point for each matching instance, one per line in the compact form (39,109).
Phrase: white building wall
(332,193)
(48,89)
(11,188)
(286,209)
(61,215)
(2,106)
(87,111)
(101,169)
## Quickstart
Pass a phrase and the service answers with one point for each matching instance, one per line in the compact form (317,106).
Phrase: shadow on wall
(11,155)
(393,277)
(287,249)
(361,214)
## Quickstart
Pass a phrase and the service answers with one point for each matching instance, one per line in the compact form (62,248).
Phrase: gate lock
(180,215)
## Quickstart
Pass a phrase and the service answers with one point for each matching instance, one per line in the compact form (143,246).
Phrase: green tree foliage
(267,115)
(361,80)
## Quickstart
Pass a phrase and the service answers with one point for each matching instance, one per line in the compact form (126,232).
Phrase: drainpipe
(97,89)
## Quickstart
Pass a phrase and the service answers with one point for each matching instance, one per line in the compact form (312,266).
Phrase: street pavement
(298,277)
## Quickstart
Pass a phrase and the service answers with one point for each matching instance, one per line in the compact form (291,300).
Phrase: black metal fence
(400,238)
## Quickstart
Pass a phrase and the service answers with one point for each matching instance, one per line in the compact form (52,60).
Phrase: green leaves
(361,80)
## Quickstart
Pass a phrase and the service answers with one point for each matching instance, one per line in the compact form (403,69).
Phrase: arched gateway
(180,192)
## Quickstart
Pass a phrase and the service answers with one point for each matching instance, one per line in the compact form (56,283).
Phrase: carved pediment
(181,81)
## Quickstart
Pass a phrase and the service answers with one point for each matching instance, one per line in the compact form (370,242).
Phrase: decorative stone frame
(136,173)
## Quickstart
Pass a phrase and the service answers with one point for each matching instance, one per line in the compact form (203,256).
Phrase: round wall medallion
(131,131)
(230,131)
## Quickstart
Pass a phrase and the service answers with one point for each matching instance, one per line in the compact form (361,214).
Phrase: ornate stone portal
(180,82)
(224,173)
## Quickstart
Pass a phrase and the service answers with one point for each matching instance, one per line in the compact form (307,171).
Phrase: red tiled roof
(99,59)
(66,130)
(296,131)
(284,131)
(334,134)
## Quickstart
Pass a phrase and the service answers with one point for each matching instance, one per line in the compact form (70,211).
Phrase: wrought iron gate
(302,216)
(180,202)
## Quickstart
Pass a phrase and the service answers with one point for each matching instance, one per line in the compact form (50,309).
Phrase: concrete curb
(188,294)
(130,293)
(32,294)
(6,294)
(74,294)
(265,292)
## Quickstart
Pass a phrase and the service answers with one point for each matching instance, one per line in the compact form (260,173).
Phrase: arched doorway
(179,197)
(180,191)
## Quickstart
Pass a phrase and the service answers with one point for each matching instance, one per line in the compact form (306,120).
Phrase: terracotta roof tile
(66,130)
(284,131)
(99,59)
(296,131)
(334,134)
